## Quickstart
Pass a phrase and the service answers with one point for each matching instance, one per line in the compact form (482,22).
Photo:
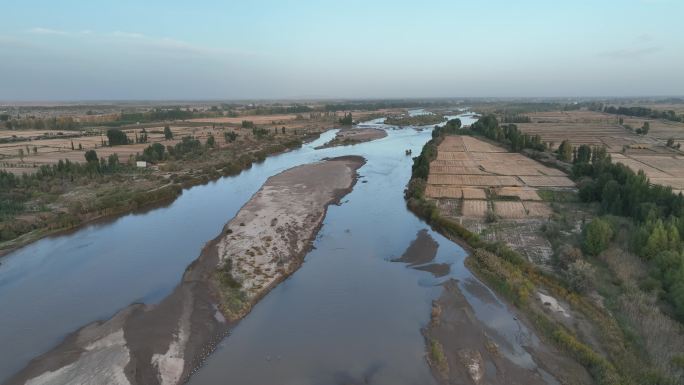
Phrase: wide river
(348,315)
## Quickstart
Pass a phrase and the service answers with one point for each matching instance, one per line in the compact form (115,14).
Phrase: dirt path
(165,343)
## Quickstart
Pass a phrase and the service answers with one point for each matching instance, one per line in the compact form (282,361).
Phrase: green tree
(229,136)
(597,236)
(21,154)
(565,151)
(211,141)
(583,154)
(116,137)
(91,156)
(645,128)
(167,133)
(347,120)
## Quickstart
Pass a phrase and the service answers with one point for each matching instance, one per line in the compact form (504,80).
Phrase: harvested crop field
(509,209)
(473,170)
(648,153)
(522,193)
(581,127)
(486,188)
(475,208)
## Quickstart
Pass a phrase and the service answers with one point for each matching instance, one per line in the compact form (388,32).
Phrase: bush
(597,235)
(567,255)
(580,275)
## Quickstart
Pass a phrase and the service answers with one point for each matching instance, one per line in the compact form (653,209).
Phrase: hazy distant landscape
(354,193)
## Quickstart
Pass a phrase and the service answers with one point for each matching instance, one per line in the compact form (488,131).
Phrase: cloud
(630,53)
(47,31)
(130,35)
(644,37)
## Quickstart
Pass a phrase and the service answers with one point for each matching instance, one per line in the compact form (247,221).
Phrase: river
(348,315)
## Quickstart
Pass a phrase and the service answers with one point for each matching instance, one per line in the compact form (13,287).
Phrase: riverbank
(107,197)
(585,325)
(164,344)
(461,348)
(349,136)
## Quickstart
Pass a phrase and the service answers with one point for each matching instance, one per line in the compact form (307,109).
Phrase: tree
(347,120)
(21,154)
(597,236)
(645,128)
(72,145)
(583,154)
(35,150)
(113,161)
(247,124)
(565,151)
(167,133)
(91,156)
(116,137)
(80,146)
(229,136)
(670,142)
(211,141)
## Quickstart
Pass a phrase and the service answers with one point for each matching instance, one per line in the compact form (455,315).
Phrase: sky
(268,49)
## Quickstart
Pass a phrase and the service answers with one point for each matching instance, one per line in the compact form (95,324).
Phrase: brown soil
(164,344)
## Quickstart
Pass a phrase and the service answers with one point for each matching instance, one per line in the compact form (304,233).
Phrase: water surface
(349,315)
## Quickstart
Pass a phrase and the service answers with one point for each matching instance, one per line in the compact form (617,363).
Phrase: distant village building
(141,164)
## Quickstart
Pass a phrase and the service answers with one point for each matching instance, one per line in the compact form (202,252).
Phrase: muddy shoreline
(460,348)
(167,342)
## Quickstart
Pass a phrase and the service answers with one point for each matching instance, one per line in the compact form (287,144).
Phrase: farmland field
(662,165)
(474,171)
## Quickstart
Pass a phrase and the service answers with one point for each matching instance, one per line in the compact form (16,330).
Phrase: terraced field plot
(661,165)
(488,178)
(582,127)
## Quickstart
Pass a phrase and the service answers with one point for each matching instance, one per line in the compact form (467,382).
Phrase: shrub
(580,275)
(597,235)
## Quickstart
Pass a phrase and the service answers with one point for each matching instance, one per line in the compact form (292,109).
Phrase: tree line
(656,212)
(644,112)
(508,134)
